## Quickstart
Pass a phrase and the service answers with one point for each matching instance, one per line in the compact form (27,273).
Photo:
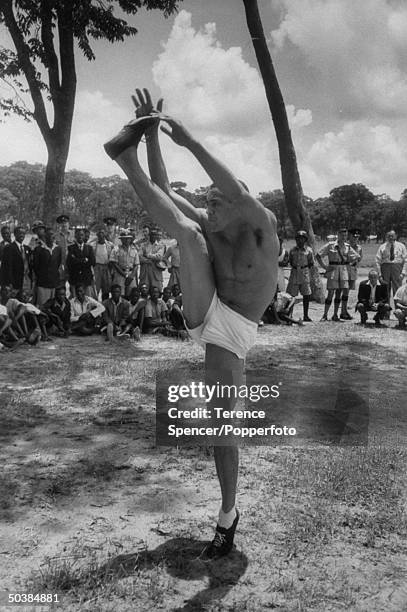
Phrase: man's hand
(178,133)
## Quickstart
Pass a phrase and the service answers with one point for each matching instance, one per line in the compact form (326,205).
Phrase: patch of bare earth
(91,509)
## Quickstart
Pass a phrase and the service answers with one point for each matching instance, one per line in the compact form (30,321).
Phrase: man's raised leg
(196,271)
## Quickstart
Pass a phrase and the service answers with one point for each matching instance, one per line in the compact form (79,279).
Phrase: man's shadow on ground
(180,558)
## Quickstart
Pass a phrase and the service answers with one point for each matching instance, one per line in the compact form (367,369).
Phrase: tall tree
(294,197)
(44,33)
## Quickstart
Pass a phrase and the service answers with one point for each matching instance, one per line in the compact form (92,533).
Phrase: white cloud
(358,153)
(214,89)
(356,48)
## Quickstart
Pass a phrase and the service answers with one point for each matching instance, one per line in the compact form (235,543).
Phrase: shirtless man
(228,270)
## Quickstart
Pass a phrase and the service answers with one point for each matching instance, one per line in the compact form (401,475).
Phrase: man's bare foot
(129,136)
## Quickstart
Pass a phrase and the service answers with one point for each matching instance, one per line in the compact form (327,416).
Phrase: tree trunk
(292,188)
(54,183)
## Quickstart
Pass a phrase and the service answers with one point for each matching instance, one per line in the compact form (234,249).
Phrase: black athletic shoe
(336,319)
(222,543)
(346,316)
(307,320)
(129,136)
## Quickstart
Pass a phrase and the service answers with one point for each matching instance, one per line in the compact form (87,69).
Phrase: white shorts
(226,328)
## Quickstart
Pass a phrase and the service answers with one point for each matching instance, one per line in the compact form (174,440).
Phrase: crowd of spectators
(73,281)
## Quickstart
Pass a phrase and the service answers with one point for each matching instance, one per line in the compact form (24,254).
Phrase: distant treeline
(87,200)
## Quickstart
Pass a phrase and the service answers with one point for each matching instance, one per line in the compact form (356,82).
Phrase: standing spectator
(102,249)
(151,259)
(145,237)
(301,259)
(390,260)
(85,312)
(373,296)
(116,314)
(47,259)
(172,259)
(340,254)
(38,229)
(124,260)
(354,237)
(283,259)
(111,231)
(5,240)
(400,305)
(64,237)
(17,263)
(79,263)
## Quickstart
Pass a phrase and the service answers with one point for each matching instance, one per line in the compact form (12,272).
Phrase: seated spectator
(8,337)
(400,306)
(85,313)
(281,309)
(373,297)
(155,314)
(136,314)
(17,312)
(35,318)
(144,292)
(174,310)
(58,310)
(116,314)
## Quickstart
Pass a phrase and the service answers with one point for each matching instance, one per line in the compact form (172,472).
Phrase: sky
(342,69)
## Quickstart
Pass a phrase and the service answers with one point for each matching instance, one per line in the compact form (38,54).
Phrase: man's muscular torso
(245,266)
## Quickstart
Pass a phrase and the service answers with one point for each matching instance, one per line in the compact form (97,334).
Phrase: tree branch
(50,57)
(23,52)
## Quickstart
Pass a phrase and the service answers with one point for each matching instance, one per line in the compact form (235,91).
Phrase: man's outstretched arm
(221,176)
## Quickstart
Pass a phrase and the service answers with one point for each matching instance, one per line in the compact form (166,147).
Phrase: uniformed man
(340,254)
(301,258)
(124,260)
(38,229)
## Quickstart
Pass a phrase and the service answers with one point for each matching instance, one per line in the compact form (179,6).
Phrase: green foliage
(86,199)
(36,22)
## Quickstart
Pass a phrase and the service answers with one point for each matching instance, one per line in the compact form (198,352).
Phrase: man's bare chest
(238,258)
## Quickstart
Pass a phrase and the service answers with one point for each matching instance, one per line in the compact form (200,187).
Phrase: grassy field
(93,510)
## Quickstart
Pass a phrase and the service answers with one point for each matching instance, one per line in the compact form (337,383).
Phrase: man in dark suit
(47,260)
(17,263)
(373,296)
(79,263)
(5,241)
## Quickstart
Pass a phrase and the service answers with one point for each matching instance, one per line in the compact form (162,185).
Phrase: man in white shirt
(391,259)
(400,305)
(85,311)
(102,272)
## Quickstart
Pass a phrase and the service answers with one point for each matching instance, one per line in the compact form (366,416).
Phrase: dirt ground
(93,510)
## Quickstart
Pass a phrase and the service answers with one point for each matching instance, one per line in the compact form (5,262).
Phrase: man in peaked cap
(340,254)
(124,261)
(301,259)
